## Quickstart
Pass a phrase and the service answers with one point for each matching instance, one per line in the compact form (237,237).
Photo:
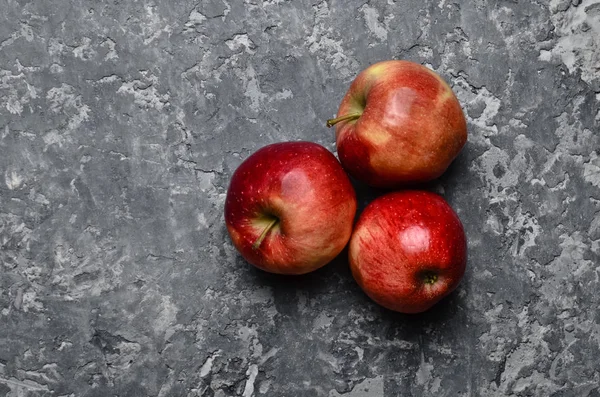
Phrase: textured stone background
(121,123)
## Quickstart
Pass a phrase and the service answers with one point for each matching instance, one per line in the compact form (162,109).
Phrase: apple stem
(264,233)
(351,116)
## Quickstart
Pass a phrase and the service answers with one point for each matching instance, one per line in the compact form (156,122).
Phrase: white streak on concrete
(252,372)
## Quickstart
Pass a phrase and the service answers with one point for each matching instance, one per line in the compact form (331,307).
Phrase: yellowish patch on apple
(377,69)
(443,97)
(363,235)
(387,160)
(441,80)
(378,136)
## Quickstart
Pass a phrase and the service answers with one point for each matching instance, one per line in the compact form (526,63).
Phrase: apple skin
(411,125)
(408,250)
(304,187)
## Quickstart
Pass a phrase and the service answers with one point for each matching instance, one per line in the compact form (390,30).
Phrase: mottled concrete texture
(122,121)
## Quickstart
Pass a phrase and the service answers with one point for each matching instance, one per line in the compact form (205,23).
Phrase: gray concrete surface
(122,121)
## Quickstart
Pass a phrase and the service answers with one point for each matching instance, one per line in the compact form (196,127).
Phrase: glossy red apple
(290,208)
(399,123)
(408,250)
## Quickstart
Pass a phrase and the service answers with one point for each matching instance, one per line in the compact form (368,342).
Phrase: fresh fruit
(408,250)
(290,208)
(399,123)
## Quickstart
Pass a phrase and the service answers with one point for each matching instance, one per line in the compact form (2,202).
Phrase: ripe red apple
(399,123)
(408,250)
(290,208)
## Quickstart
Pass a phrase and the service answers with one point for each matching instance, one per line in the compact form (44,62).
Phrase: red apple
(290,208)
(408,250)
(399,123)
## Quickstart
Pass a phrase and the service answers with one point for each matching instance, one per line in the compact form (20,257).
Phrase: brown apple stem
(264,233)
(351,116)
